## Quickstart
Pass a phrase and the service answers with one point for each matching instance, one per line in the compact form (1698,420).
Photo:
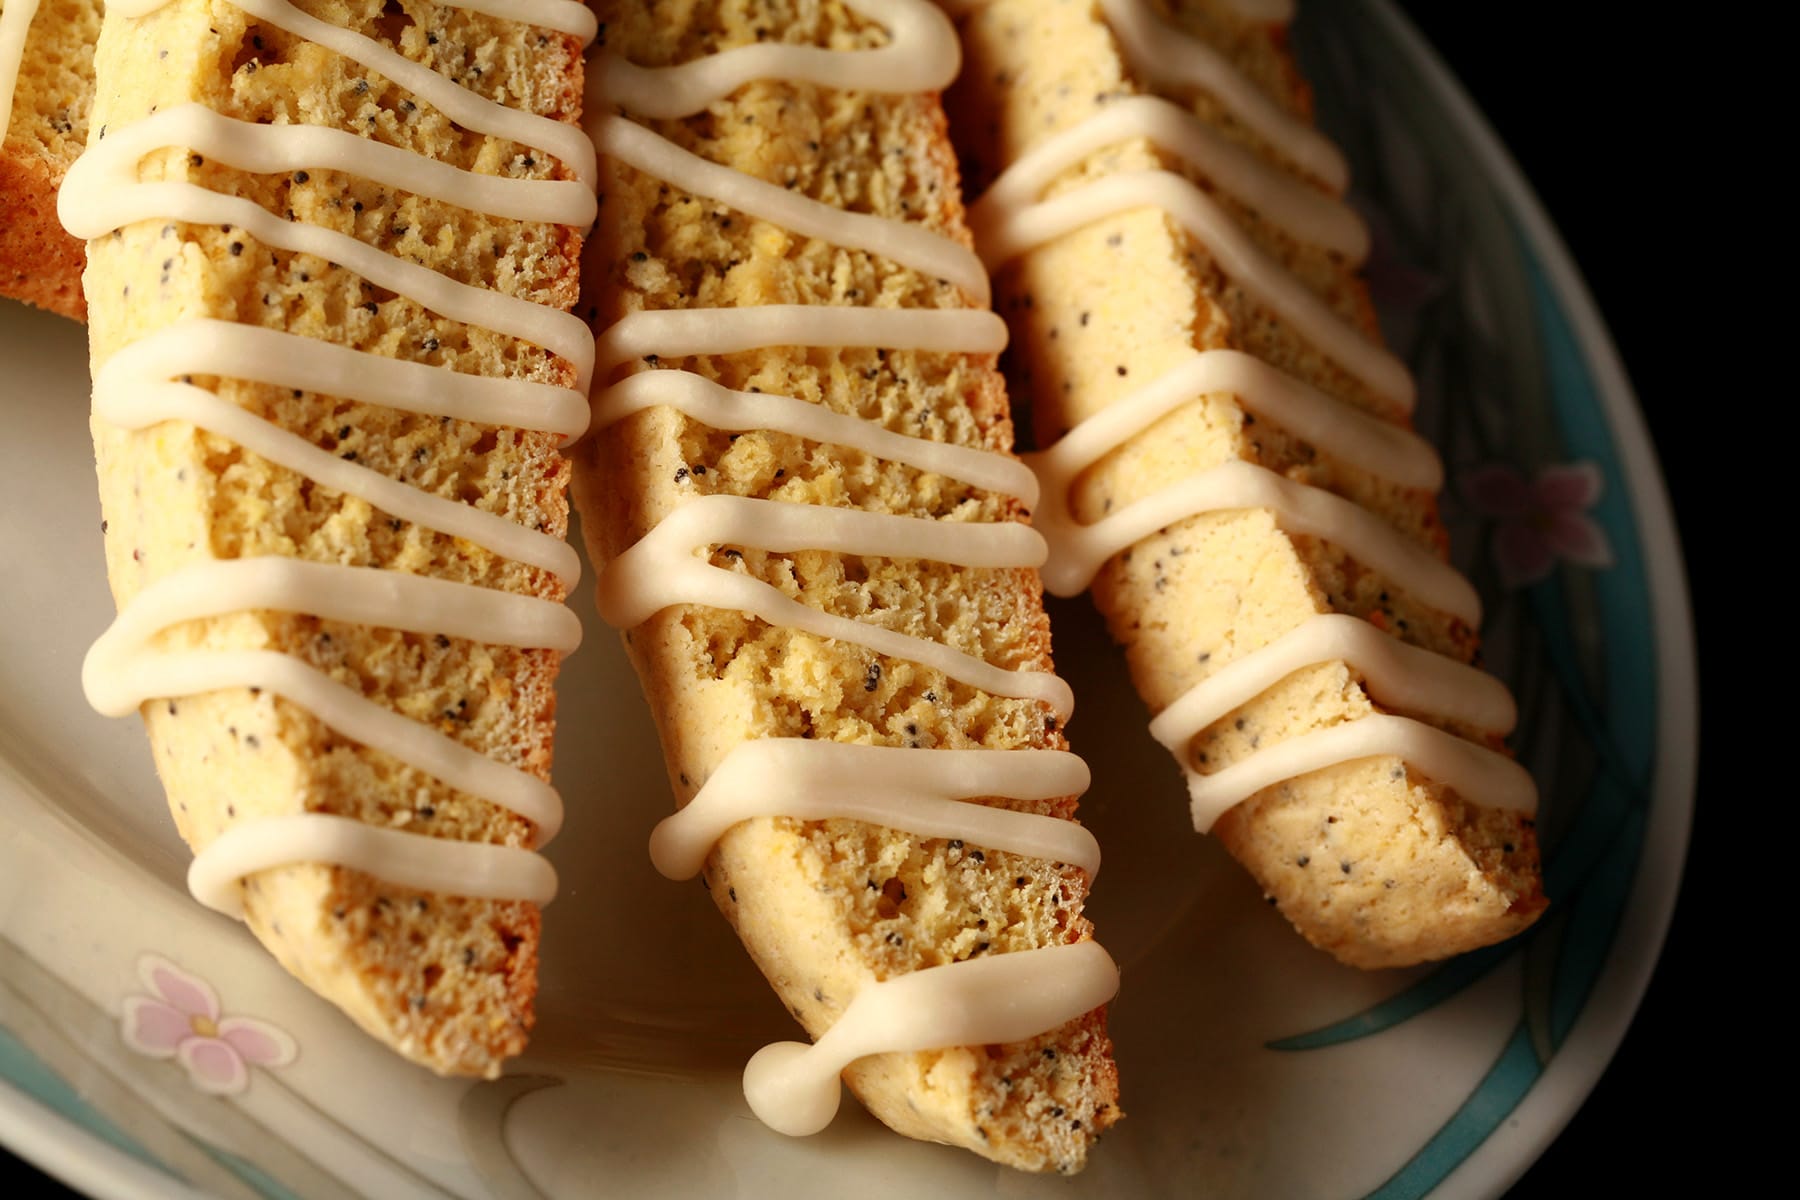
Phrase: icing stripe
(1367,443)
(405,860)
(1079,551)
(1475,772)
(123,670)
(132,403)
(1169,57)
(1303,212)
(992,1000)
(1003,236)
(1395,674)
(922,54)
(912,246)
(720,407)
(680,333)
(207,346)
(101,194)
(922,793)
(467,108)
(660,571)
(275,149)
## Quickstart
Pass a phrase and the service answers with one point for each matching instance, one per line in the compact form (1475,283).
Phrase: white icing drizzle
(1006,233)
(407,860)
(1165,56)
(1368,443)
(136,399)
(1395,674)
(1169,57)
(1490,779)
(1083,549)
(102,193)
(468,109)
(695,331)
(662,571)
(1013,219)
(794,1088)
(1305,213)
(722,408)
(123,669)
(922,54)
(144,384)
(911,246)
(925,792)
(15,27)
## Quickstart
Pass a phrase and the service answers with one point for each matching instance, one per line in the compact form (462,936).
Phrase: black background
(1595,106)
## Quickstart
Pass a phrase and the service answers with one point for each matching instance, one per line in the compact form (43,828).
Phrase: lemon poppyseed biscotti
(332,248)
(46,87)
(802,492)
(1229,463)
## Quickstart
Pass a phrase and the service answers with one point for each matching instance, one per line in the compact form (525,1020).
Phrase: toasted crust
(1370,860)
(826,907)
(448,981)
(39,263)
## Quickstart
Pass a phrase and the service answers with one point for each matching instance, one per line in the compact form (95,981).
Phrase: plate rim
(1559,1092)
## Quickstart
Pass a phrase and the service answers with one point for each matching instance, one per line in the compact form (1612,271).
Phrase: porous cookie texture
(39,263)
(1370,860)
(447,981)
(827,907)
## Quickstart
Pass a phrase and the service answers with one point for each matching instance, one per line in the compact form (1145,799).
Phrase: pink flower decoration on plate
(1542,520)
(181,1020)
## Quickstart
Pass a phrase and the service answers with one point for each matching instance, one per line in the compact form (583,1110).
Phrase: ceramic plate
(1252,1065)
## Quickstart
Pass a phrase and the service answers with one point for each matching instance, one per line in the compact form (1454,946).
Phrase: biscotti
(810,525)
(1228,459)
(46,88)
(333,246)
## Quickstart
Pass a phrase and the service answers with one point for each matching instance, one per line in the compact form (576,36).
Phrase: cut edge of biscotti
(447,981)
(817,937)
(1472,872)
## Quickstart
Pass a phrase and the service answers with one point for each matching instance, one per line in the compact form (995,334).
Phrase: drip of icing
(1169,57)
(1007,233)
(141,385)
(1003,998)
(15,27)
(1303,212)
(1012,220)
(1081,550)
(407,860)
(911,246)
(661,571)
(922,54)
(924,793)
(1011,996)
